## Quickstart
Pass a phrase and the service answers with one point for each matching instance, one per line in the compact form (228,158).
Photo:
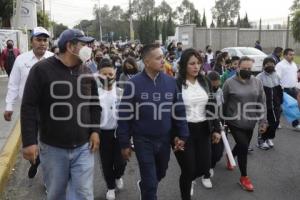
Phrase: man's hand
(30,153)
(94,142)
(216,137)
(126,153)
(262,128)
(179,144)
(7,115)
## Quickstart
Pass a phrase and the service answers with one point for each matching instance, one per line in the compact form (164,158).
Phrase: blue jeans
(68,173)
(153,157)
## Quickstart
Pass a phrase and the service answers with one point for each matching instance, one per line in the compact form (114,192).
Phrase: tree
(295,6)
(164,10)
(238,23)
(246,23)
(196,18)
(204,20)
(6,12)
(226,10)
(232,23)
(212,25)
(58,29)
(156,27)
(143,7)
(184,12)
(116,13)
(43,20)
(296,25)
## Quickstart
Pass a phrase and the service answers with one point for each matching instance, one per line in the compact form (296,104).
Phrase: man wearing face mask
(238,92)
(274,99)
(63,91)
(8,56)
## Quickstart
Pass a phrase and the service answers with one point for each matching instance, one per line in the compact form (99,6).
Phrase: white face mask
(85,54)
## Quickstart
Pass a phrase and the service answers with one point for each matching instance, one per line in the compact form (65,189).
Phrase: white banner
(26,16)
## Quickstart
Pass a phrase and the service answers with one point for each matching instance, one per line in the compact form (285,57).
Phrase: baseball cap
(73,34)
(37,31)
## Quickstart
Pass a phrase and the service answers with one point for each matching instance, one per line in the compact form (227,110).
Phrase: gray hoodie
(244,102)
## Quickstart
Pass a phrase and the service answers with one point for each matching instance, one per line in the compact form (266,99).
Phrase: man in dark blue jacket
(150,108)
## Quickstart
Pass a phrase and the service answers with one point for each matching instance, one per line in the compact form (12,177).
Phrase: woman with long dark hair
(204,128)
(129,70)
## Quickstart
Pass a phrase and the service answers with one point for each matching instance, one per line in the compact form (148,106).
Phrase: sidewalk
(9,137)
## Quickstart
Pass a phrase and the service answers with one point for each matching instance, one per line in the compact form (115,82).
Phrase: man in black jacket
(60,100)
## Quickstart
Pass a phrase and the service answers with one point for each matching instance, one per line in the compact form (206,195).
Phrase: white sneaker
(212,173)
(206,182)
(297,128)
(110,195)
(192,188)
(270,143)
(120,183)
(263,145)
(279,126)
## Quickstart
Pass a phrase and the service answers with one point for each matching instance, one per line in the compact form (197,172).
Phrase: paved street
(275,174)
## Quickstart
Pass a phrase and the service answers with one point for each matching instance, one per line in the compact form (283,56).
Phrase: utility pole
(131,23)
(44,14)
(287,33)
(100,27)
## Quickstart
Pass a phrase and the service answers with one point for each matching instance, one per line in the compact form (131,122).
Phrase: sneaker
(270,143)
(263,146)
(279,126)
(120,183)
(297,128)
(110,195)
(250,149)
(211,171)
(206,182)
(192,188)
(139,188)
(246,184)
(229,166)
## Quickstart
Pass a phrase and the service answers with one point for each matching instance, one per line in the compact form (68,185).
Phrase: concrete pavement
(275,174)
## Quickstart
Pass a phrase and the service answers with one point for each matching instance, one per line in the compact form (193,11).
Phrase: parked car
(257,56)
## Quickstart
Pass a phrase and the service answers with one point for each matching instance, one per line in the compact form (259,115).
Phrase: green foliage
(204,23)
(43,20)
(196,18)
(295,6)
(225,11)
(58,29)
(6,12)
(296,25)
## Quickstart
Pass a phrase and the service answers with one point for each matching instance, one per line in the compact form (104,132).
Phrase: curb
(8,155)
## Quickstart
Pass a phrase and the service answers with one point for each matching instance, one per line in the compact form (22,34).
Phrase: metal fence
(219,38)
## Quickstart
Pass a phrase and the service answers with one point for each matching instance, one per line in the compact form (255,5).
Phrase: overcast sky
(70,12)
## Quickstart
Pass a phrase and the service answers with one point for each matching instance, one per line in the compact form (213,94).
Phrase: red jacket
(4,55)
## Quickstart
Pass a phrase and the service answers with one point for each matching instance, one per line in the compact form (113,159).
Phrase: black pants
(273,122)
(242,138)
(216,153)
(195,160)
(293,93)
(8,70)
(113,164)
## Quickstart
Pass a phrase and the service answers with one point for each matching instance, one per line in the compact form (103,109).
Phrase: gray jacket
(244,102)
